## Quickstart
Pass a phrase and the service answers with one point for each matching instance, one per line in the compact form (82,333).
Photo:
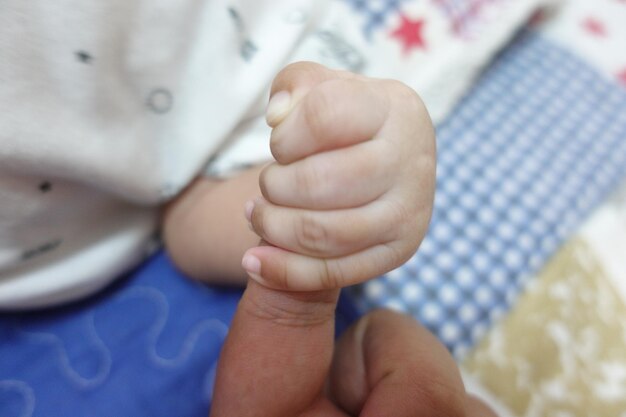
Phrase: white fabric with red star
(595,30)
(110,109)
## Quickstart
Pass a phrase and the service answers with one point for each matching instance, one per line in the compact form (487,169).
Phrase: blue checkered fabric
(465,15)
(375,13)
(537,143)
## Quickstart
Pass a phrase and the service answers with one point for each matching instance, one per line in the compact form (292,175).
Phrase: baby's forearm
(205,229)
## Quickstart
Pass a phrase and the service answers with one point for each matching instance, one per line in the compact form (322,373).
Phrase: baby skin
(349,198)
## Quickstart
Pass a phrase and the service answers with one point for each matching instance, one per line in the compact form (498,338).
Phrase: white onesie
(110,108)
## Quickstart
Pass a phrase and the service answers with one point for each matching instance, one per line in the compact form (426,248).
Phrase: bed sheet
(147,346)
(524,158)
(534,147)
(561,351)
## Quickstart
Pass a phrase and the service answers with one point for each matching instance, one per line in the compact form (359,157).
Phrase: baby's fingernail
(278,108)
(249,206)
(252,265)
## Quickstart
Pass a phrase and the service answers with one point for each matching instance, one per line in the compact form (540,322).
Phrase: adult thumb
(277,354)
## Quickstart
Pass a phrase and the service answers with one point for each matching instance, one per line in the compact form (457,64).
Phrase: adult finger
(277,354)
(389,365)
(477,408)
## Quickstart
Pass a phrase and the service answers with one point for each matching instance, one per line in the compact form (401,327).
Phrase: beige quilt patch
(562,350)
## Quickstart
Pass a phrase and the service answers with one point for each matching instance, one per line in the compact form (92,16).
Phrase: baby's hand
(351,193)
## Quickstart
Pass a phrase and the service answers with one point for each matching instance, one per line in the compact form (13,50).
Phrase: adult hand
(280,361)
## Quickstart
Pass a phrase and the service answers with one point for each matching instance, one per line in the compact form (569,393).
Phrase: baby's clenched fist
(351,192)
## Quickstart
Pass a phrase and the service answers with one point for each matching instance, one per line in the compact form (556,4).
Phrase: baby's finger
(293,82)
(284,270)
(335,114)
(343,178)
(322,233)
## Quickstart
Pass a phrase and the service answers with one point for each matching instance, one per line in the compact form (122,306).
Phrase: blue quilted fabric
(147,346)
(528,153)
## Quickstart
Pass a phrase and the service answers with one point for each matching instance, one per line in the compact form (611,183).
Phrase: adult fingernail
(249,206)
(278,108)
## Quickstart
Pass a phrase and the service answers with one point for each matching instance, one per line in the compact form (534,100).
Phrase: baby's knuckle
(397,254)
(399,215)
(258,220)
(427,163)
(264,183)
(307,180)
(403,245)
(332,275)
(277,147)
(406,94)
(319,110)
(303,182)
(291,70)
(297,74)
(428,144)
(389,155)
(420,227)
(311,235)
(409,103)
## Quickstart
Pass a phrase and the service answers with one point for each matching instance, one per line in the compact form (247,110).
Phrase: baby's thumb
(277,354)
(294,82)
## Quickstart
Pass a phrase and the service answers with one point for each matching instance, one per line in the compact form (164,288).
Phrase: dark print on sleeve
(335,47)
(45,186)
(247,48)
(41,249)
(160,100)
(83,57)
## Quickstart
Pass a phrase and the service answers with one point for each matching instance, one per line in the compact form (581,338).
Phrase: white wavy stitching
(209,382)
(154,332)
(156,329)
(25,390)
(213,325)
(56,342)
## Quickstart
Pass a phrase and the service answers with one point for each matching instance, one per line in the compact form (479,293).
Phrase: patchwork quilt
(522,272)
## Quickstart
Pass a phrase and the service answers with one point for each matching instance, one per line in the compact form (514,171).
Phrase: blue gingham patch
(538,142)
(375,13)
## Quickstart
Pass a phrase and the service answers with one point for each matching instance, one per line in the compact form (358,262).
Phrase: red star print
(594,27)
(410,33)
(537,18)
(622,76)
